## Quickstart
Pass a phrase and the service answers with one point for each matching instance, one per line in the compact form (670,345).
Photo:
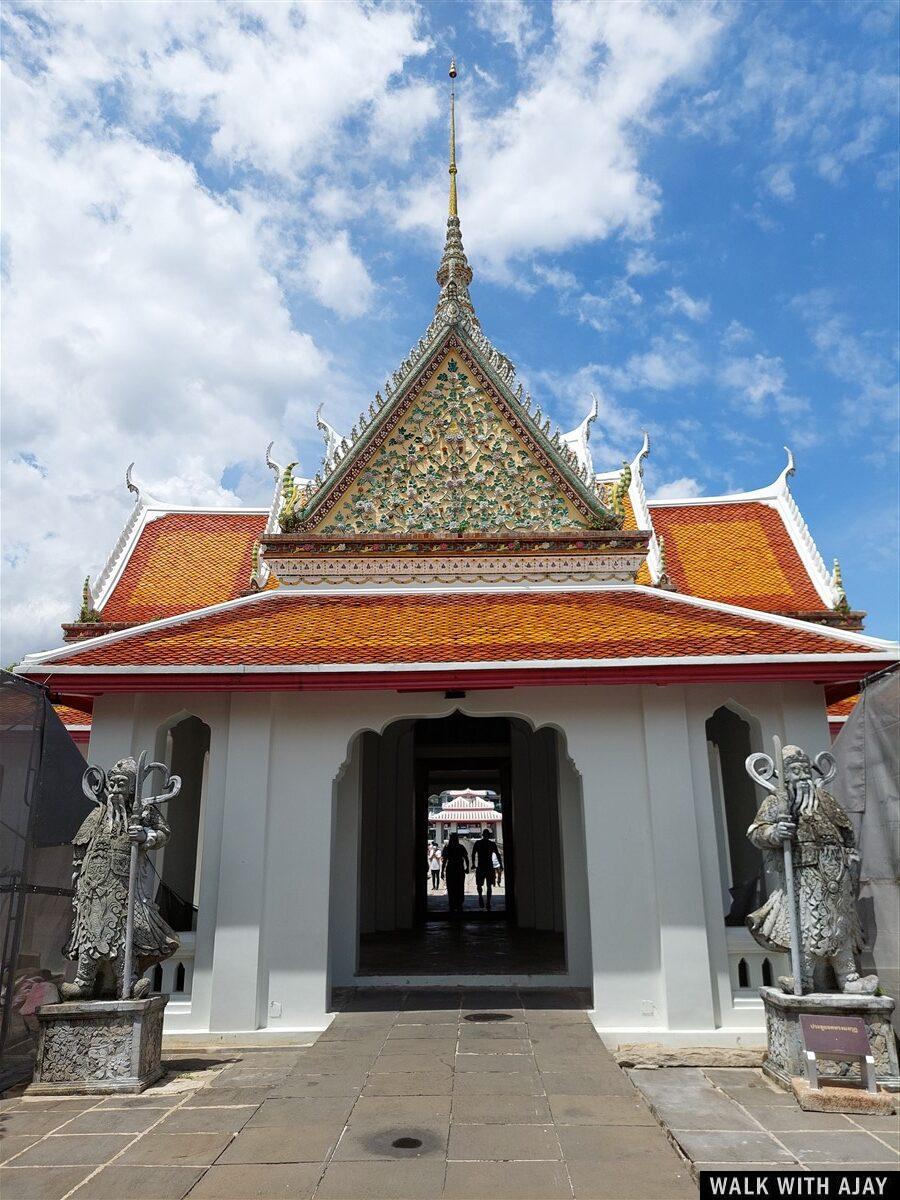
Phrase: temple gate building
(462,598)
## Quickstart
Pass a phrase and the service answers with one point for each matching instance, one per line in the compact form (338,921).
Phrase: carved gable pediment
(453,454)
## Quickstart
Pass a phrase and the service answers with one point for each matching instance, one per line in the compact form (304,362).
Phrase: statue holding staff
(116,920)
(805,833)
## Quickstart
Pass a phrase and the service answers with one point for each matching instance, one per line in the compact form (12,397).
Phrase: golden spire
(452,168)
(454,273)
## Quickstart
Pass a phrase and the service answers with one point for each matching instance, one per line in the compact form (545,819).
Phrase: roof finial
(452,168)
(454,273)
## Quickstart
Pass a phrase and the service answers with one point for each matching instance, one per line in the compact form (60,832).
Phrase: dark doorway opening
(422,780)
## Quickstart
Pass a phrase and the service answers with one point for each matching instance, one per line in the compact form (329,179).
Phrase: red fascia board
(74,688)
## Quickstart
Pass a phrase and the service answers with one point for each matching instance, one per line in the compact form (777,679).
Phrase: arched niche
(182,743)
(733,733)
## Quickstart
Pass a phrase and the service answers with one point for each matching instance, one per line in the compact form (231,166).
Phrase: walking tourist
(485,853)
(455,868)
(434,864)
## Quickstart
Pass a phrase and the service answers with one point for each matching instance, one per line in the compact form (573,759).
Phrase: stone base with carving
(785,1056)
(99,1046)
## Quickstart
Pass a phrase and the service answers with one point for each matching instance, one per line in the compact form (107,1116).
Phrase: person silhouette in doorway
(434,865)
(484,852)
(455,868)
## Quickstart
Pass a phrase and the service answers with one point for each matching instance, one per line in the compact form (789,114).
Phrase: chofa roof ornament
(577,441)
(333,440)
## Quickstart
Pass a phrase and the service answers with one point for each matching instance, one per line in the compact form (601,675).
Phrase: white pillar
(574,871)
(345,838)
(687,979)
(234,1003)
(112,730)
(605,742)
(309,746)
(212,821)
(805,717)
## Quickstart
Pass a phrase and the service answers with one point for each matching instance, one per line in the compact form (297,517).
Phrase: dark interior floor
(474,944)
(438,905)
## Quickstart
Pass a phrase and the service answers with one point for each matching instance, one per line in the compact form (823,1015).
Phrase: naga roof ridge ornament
(333,440)
(577,441)
(656,554)
(271,525)
(141,504)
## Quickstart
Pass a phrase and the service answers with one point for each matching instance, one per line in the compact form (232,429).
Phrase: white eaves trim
(294,595)
(464,665)
(140,517)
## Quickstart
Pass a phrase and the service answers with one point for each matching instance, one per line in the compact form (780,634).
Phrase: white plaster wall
(645,918)
(796,713)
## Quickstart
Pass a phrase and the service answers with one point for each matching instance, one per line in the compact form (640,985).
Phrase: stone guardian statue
(103,867)
(803,831)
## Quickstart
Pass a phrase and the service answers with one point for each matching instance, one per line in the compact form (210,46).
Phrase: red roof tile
(71,717)
(388,628)
(738,553)
(842,708)
(185,561)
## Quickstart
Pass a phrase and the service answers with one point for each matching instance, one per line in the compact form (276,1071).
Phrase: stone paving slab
(406,1099)
(503,1143)
(726,1118)
(507,1181)
(40,1183)
(284,1181)
(137,1183)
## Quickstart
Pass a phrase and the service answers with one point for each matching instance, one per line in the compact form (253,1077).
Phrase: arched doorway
(386,810)
(182,742)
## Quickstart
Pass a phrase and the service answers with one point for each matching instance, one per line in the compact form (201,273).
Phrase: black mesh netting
(41,807)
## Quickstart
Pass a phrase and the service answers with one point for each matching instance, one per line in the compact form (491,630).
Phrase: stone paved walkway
(410,1097)
(724,1118)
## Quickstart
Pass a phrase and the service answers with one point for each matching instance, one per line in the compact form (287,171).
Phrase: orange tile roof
(303,629)
(842,708)
(73,716)
(185,561)
(738,553)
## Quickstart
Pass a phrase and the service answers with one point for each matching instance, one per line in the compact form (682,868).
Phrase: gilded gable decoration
(452,463)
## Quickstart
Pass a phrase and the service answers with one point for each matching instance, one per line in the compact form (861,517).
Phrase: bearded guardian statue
(826,867)
(101,864)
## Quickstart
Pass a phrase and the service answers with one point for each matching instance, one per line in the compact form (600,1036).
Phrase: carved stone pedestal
(785,1055)
(99,1046)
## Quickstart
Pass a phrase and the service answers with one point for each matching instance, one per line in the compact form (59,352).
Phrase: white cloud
(642,261)
(678,489)
(143,317)
(559,166)
(338,276)
(556,277)
(779,181)
(510,21)
(688,306)
(736,334)
(866,363)
(671,362)
(789,90)
(616,434)
(604,311)
(760,381)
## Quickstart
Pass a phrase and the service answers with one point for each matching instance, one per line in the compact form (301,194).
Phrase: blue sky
(218,216)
